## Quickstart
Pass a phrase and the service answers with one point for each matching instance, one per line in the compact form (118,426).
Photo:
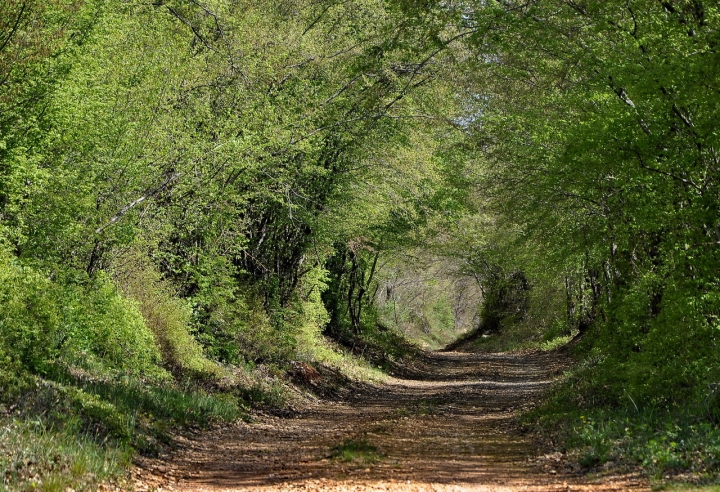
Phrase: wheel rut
(450,425)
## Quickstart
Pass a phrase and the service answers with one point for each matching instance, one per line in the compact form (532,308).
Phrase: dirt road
(451,426)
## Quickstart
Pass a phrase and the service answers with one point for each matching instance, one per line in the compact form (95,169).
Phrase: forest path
(451,425)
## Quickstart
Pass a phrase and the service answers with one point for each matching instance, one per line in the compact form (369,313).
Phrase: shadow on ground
(449,424)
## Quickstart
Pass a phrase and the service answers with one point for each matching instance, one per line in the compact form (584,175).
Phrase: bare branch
(626,99)
(192,28)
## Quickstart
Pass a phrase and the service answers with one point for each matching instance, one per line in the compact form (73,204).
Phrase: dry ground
(450,426)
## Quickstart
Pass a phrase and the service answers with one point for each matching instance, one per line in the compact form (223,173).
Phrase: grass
(522,336)
(555,343)
(669,444)
(65,431)
(35,456)
(75,428)
(355,450)
(689,488)
(126,410)
(323,351)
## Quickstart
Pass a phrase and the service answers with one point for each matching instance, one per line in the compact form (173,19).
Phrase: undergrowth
(603,425)
(668,445)
(540,327)
(75,430)
(521,336)
(98,370)
(38,456)
(379,347)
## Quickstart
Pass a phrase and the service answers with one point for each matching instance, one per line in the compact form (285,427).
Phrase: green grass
(554,343)
(380,347)
(62,431)
(669,445)
(600,417)
(689,488)
(355,450)
(34,456)
(128,411)
(522,336)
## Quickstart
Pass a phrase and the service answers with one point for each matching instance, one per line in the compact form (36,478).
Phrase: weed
(427,406)
(554,343)
(356,450)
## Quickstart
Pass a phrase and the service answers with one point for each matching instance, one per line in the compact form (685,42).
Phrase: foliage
(596,121)
(166,316)
(76,430)
(426,298)
(44,321)
(175,178)
(600,161)
(676,444)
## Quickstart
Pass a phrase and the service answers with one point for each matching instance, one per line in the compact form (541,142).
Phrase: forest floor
(450,423)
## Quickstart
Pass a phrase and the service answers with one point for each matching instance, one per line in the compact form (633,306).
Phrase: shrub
(29,323)
(87,322)
(104,327)
(165,314)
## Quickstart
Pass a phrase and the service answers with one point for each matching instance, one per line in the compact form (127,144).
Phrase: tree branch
(14,28)
(138,201)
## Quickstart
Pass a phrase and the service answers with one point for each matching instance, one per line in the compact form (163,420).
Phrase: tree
(598,119)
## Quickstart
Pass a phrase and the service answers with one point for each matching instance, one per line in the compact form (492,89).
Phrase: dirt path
(452,426)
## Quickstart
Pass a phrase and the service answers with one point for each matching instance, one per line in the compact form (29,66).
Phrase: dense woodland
(196,193)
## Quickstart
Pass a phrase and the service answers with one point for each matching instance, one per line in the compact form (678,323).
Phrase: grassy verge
(520,336)
(36,456)
(383,350)
(677,447)
(667,446)
(73,430)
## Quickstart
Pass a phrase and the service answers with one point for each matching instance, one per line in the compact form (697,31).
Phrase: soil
(450,424)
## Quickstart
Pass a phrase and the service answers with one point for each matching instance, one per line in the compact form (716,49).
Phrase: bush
(645,392)
(243,325)
(30,331)
(79,322)
(104,327)
(165,314)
